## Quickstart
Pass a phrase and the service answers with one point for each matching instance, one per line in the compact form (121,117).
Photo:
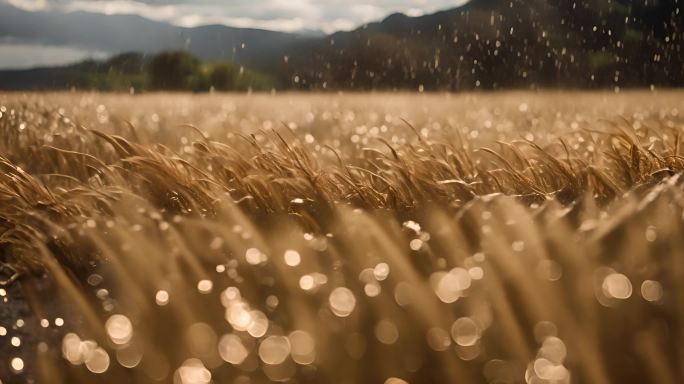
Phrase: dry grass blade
(372,239)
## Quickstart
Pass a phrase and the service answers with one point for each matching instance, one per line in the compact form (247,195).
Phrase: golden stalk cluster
(347,247)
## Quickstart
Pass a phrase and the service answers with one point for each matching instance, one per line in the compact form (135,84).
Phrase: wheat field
(382,238)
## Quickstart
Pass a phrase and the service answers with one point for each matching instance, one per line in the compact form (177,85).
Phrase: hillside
(129,33)
(497,44)
(485,44)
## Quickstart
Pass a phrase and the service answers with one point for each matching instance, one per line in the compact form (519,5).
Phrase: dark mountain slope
(485,44)
(502,44)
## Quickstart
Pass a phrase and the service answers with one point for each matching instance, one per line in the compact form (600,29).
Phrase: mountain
(128,33)
(495,44)
(485,44)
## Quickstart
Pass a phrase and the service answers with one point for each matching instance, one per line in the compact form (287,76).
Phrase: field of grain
(342,238)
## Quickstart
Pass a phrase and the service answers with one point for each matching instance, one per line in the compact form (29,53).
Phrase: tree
(223,77)
(174,71)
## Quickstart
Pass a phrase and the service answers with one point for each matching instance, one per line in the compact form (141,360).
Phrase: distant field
(342,238)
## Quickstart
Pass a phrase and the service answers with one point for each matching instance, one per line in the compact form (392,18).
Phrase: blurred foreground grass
(362,238)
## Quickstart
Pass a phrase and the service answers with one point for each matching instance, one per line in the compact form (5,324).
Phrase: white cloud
(20,56)
(415,12)
(282,15)
(30,5)
(118,7)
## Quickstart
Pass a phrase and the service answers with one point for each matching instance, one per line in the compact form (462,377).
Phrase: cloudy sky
(282,15)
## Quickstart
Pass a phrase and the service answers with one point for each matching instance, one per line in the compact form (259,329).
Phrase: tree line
(165,71)
(177,71)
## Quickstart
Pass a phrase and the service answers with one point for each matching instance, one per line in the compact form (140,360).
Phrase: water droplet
(412,225)
(617,286)
(272,301)
(254,256)
(274,350)
(232,350)
(416,244)
(239,316)
(162,297)
(303,347)
(192,372)
(476,273)
(386,332)
(465,332)
(342,301)
(129,356)
(403,294)
(229,296)
(17,365)
(395,380)
(205,286)
(306,282)
(258,325)
(438,339)
(449,286)
(71,348)
(292,258)
(548,371)
(97,361)
(381,271)
(119,329)
(651,290)
(553,349)
(372,289)
(94,279)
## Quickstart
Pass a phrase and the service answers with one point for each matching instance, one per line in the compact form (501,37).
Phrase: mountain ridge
(484,44)
(125,33)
